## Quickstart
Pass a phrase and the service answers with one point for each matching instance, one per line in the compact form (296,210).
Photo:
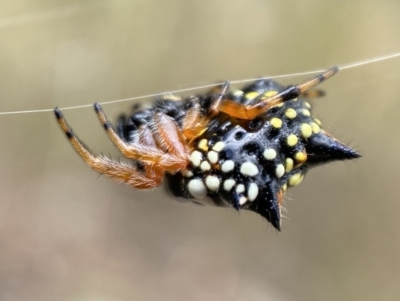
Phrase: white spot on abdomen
(212,182)
(242,200)
(218,146)
(212,156)
(252,192)
(228,184)
(205,166)
(279,171)
(197,188)
(240,188)
(228,166)
(249,169)
(196,157)
(270,154)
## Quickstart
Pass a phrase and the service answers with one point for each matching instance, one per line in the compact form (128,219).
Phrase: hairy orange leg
(169,137)
(145,154)
(249,112)
(118,171)
(194,123)
(145,137)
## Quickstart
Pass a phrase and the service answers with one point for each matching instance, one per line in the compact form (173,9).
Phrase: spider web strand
(344,67)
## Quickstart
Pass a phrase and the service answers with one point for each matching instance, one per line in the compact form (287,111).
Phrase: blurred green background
(67,234)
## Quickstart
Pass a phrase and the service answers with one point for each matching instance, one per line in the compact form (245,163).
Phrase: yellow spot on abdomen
(292,140)
(276,123)
(306,112)
(270,93)
(251,95)
(289,164)
(295,179)
(290,113)
(203,145)
(315,128)
(306,130)
(300,156)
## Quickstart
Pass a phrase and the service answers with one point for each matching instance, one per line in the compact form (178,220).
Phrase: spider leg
(215,106)
(195,123)
(315,93)
(118,171)
(249,112)
(170,137)
(145,137)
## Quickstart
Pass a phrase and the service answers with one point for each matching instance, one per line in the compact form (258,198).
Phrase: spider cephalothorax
(239,149)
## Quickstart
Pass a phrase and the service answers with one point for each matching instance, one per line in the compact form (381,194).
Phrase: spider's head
(250,164)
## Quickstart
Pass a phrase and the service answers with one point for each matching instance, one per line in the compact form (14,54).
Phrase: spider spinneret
(239,149)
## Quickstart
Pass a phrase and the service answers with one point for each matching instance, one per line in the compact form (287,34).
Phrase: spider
(239,148)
